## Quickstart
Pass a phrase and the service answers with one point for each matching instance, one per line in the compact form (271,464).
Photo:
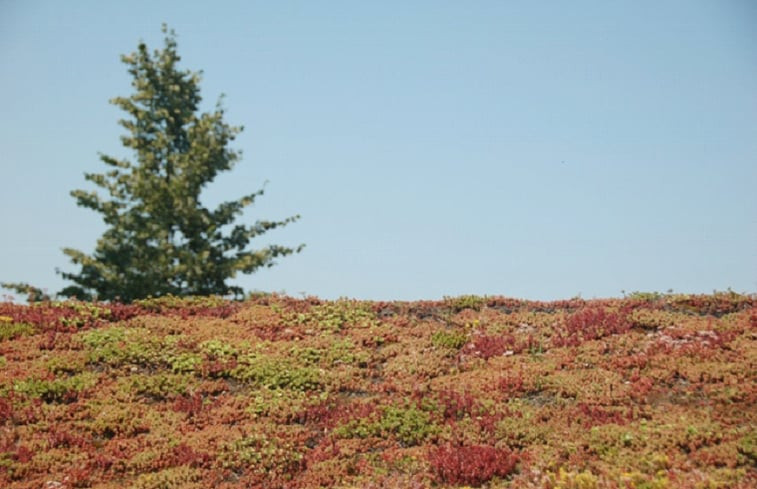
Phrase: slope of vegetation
(650,391)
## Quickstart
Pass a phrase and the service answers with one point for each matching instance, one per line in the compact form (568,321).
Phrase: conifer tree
(160,239)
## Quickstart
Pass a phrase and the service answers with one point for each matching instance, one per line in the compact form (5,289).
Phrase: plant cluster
(649,391)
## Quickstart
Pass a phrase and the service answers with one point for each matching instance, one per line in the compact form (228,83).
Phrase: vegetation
(640,392)
(160,238)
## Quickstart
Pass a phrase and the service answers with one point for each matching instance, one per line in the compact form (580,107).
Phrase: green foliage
(184,362)
(449,339)
(645,296)
(308,355)
(260,454)
(281,404)
(57,390)
(169,302)
(111,419)
(160,238)
(32,293)
(170,478)
(276,373)
(66,364)
(10,330)
(344,352)
(339,352)
(85,313)
(333,316)
(159,386)
(410,425)
(573,480)
(218,349)
(118,345)
(748,447)
(463,302)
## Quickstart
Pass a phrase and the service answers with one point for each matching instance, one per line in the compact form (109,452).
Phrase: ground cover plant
(648,391)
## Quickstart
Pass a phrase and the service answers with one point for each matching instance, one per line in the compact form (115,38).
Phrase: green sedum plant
(408,424)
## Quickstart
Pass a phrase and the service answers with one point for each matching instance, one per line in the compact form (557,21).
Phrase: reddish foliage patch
(6,408)
(184,455)
(591,323)
(191,405)
(488,346)
(511,384)
(592,415)
(59,438)
(456,405)
(472,465)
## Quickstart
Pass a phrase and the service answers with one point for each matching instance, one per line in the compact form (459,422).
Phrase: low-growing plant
(181,477)
(590,323)
(455,405)
(66,363)
(463,302)
(645,296)
(565,479)
(488,346)
(748,447)
(158,386)
(344,352)
(10,330)
(218,349)
(111,419)
(276,373)
(471,464)
(642,395)
(449,339)
(261,454)
(170,302)
(308,355)
(57,390)
(408,424)
(118,345)
(334,316)
(185,362)
(190,405)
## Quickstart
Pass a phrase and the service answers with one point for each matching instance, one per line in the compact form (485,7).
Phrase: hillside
(650,391)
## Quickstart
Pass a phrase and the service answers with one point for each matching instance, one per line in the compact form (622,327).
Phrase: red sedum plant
(471,465)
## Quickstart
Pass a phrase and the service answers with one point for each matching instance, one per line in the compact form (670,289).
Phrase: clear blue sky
(529,149)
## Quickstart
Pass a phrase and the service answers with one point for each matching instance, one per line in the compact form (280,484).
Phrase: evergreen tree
(160,239)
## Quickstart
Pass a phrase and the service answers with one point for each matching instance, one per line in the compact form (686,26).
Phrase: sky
(539,150)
